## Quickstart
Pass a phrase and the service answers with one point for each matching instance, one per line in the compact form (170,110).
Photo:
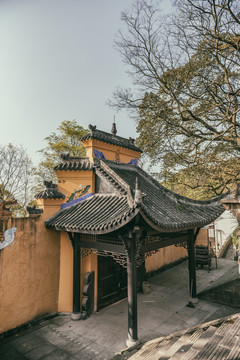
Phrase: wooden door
(112,281)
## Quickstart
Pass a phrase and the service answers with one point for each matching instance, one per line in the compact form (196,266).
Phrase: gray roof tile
(73,163)
(99,213)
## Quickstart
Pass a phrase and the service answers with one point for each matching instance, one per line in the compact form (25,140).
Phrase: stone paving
(161,312)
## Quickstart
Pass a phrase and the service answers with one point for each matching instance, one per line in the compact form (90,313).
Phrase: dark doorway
(112,281)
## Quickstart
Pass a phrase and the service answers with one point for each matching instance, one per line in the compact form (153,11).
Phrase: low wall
(165,256)
(29,273)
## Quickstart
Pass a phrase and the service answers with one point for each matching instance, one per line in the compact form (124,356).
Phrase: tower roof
(110,138)
(50,192)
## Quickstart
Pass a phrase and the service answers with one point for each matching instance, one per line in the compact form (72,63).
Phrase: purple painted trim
(133,162)
(75,201)
(98,154)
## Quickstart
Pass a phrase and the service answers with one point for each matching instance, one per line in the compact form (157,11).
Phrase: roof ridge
(116,136)
(74,163)
(67,156)
(51,191)
(185,199)
(112,173)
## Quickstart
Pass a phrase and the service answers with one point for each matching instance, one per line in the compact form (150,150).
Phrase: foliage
(16,177)
(235,241)
(186,75)
(66,139)
(203,181)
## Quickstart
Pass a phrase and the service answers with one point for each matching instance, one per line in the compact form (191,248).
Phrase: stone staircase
(226,249)
(216,340)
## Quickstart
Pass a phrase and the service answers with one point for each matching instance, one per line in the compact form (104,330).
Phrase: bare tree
(186,77)
(16,174)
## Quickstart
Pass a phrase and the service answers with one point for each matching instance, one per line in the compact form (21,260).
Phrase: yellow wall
(111,152)
(202,238)
(165,256)
(66,274)
(29,273)
(69,181)
(88,264)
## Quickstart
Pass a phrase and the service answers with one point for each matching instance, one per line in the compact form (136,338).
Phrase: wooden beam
(120,249)
(163,243)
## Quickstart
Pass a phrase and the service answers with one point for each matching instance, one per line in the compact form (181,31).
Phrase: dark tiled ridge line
(111,139)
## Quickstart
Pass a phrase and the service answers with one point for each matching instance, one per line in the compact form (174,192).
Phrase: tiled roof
(110,138)
(50,192)
(162,209)
(218,339)
(168,210)
(74,163)
(98,213)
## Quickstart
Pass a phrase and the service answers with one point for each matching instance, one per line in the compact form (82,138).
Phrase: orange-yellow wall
(69,181)
(165,256)
(202,238)
(109,151)
(66,274)
(29,273)
(88,263)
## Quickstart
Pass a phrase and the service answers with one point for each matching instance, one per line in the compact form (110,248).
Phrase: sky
(58,62)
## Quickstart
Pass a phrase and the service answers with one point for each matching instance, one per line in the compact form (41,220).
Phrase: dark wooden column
(192,264)
(76,277)
(132,338)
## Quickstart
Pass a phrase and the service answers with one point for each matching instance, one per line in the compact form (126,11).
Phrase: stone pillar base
(195,300)
(132,343)
(75,316)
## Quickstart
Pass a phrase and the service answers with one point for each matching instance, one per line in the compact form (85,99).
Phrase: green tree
(66,139)
(186,73)
(201,181)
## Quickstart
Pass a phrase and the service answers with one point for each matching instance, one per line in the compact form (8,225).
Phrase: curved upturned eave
(107,228)
(162,209)
(160,227)
(98,214)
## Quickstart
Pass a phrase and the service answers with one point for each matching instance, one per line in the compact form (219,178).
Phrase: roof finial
(92,128)
(114,129)
(138,194)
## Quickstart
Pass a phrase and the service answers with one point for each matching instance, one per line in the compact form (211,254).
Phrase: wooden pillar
(132,339)
(192,265)
(76,314)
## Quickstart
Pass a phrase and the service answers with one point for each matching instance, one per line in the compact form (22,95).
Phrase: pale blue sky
(57,62)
